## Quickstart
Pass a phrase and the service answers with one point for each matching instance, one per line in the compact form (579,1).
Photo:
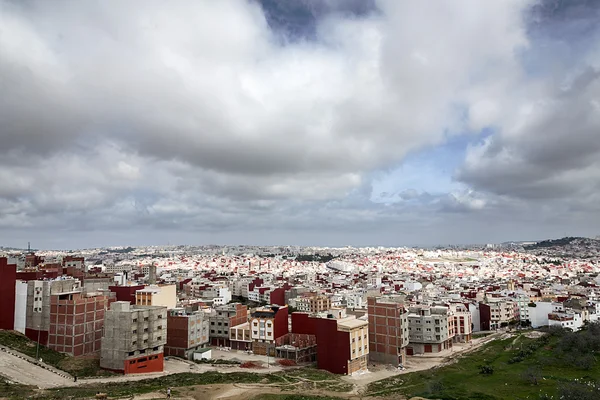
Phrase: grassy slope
(462,379)
(80,366)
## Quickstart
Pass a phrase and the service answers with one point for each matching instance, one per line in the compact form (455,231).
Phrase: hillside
(566,247)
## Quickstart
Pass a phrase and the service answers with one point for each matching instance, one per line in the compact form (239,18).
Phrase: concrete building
(224,317)
(567,319)
(240,337)
(388,330)
(134,338)
(313,304)
(37,317)
(186,332)
(431,329)
(76,322)
(157,295)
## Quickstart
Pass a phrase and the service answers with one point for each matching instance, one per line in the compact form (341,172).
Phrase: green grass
(22,344)
(292,397)
(462,380)
(319,379)
(14,391)
(80,366)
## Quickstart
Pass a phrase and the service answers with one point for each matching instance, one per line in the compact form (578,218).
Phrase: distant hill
(566,241)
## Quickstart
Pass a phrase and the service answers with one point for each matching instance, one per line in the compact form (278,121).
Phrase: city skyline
(313,123)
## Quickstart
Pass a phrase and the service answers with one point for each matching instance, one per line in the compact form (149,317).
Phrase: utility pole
(37,351)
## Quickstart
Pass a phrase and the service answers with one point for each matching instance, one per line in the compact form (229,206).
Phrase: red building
(76,322)
(8,281)
(342,344)
(125,293)
(388,330)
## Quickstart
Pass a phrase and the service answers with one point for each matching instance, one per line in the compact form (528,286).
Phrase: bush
(486,369)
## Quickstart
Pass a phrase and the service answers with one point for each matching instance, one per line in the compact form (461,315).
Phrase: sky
(298,122)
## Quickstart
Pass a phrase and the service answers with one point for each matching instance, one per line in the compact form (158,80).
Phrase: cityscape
(364,313)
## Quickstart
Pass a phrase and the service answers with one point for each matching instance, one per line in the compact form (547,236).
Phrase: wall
(20,306)
(125,293)
(8,279)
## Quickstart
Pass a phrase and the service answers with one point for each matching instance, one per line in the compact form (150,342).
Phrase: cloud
(236,116)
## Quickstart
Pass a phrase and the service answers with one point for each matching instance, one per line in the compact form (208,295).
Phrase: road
(21,371)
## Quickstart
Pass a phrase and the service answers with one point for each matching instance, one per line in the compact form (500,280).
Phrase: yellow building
(157,295)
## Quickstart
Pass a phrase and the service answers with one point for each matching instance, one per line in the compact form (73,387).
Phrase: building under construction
(297,347)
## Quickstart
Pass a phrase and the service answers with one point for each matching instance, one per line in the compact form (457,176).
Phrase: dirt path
(21,371)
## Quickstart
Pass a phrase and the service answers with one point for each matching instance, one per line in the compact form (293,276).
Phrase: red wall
(125,293)
(485,317)
(152,363)
(278,297)
(32,334)
(333,347)
(280,325)
(8,279)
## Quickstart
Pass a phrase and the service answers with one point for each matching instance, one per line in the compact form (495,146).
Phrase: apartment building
(37,314)
(266,325)
(388,330)
(431,329)
(463,323)
(222,318)
(76,321)
(134,338)
(157,295)
(567,319)
(313,304)
(186,332)
(342,344)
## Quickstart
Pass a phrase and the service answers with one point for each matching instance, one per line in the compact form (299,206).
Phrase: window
(145,330)
(131,353)
(212,323)
(134,320)
(155,348)
(145,319)
(134,331)
(145,341)
(134,343)
(159,338)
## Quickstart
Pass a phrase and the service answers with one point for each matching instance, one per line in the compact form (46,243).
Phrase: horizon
(364,123)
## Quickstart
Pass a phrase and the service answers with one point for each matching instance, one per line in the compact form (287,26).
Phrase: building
(431,329)
(8,280)
(134,338)
(266,325)
(37,315)
(463,323)
(388,330)
(240,337)
(126,292)
(313,304)
(76,322)
(224,317)
(157,295)
(297,347)
(342,344)
(187,332)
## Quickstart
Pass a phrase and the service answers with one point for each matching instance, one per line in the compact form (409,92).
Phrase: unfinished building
(297,347)
(134,338)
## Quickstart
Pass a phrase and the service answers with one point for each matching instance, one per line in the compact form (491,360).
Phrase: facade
(342,344)
(224,317)
(134,338)
(388,330)
(157,295)
(76,322)
(568,320)
(297,347)
(186,332)
(266,325)
(313,304)
(37,315)
(431,329)
(8,279)
(240,337)
(463,323)
(20,306)
(126,292)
